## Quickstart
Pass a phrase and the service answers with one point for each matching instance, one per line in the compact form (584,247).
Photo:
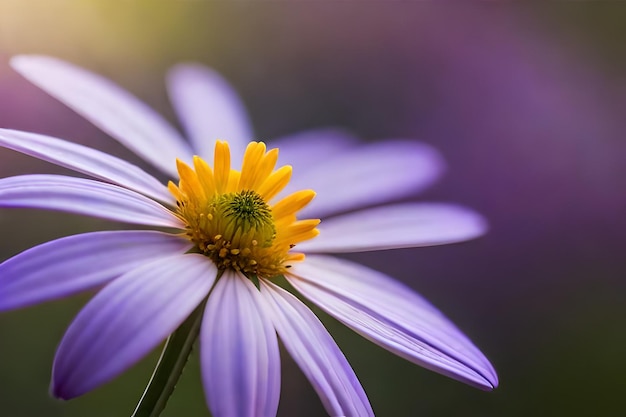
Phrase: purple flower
(227,231)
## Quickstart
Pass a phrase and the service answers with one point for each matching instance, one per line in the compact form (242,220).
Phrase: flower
(224,233)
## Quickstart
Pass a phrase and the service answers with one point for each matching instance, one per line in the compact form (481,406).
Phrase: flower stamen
(228,215)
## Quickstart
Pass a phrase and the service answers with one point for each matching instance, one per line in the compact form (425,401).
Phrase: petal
(71,264)
(85,160)
(317,354)
(209,109)
(368,175)
(78,195)
(396,226)
(304,150)
(112,109)
(127,319)
(392,316)
(239,351)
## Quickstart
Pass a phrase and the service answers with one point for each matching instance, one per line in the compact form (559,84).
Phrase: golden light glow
(229,216)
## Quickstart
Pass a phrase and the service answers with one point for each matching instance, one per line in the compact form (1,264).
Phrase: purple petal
(392,316)
(112,109)
(239,351)
(396,226)
(127,319)
(71,264)
(317,354)
(369,175)
(304,150)
(209,109)
(86,160)
(78,195)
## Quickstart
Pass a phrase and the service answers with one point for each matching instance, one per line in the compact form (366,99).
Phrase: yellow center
(229,216)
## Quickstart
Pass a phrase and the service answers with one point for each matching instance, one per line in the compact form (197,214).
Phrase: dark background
(526,103)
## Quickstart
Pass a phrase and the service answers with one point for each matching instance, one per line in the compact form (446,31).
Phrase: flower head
(223,233)
(228,217)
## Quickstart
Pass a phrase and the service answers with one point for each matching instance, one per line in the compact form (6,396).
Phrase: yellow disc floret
(229,216)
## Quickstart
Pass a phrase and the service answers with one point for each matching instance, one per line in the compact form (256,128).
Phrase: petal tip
(59,391)
(489,379)
(17,60)
(489,385)
(493,380)
(481,224)
(20,63)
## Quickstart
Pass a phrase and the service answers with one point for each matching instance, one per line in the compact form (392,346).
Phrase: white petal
(396,226)
(75,263)
(369,175)
(86,160)
(127,319)
(392,316)
(239,351)
(209,109)
(88,197)
(317,354)
(109,107)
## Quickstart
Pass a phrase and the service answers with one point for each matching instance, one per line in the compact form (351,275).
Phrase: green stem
(170,366)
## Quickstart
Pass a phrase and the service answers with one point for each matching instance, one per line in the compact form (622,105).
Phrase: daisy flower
(232,225)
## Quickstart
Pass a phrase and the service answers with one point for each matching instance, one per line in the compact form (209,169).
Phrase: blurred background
(527,104)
